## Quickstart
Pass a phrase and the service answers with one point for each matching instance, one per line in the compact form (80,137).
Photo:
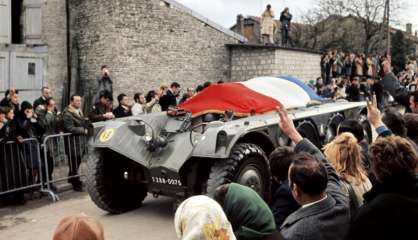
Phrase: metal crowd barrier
(21,167)
(63,158)
(27,165)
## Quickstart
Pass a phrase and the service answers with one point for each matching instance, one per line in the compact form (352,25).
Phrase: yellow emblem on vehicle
(106,135)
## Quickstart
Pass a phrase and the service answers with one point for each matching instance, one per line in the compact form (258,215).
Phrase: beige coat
(268,25)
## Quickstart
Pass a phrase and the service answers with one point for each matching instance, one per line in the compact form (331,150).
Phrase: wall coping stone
(269,47)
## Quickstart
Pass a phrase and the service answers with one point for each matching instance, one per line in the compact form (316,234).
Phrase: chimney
(240,24)
(409,28)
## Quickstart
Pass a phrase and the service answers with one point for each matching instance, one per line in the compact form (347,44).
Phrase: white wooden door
(26,74)
(4,72)
(5,21)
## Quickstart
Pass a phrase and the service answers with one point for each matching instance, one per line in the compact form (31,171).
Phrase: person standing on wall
(105,83)
(285,19)
(268,26)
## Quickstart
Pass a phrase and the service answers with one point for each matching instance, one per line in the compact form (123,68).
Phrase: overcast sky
(224,12)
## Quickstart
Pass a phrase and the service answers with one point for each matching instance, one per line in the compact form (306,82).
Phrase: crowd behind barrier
(29,165)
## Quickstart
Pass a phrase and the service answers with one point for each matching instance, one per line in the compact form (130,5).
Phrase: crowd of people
(355,77)
(347,190)
(343,192)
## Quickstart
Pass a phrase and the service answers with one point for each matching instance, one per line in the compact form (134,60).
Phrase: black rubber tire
(368,133)
(333,124)
(107,185)
(308,130)
(242,157)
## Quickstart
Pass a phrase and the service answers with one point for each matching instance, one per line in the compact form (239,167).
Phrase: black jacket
(353,93)
(121,112)
(390,212)
(283,203)
(168,100)
(285,20)
(5,102)
(27,128)
(39,101)
(401,94)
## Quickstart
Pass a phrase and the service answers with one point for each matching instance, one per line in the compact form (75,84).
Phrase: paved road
(37,219)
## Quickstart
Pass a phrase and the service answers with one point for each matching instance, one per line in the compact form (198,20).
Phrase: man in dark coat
(353,90)
(170,97)
(48,120)
(102,110)
(282,203)
(390,210)
(11,100)
(285,19)
(123,110)
(400,93)
(324,212)
(41,101)
(104,83)
(76,124)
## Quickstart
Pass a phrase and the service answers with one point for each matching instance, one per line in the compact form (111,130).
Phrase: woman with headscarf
(250,216)
(345,156)
(200,217)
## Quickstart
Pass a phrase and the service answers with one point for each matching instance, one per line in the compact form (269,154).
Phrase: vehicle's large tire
(114,184)
(332,127)
(367,128)
(308,130)
(247,165)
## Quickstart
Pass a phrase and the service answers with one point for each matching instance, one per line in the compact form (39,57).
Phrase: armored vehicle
(223,134)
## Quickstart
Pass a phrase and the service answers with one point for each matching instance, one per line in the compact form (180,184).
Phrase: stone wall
(54,35)
(146,43)
(249,61)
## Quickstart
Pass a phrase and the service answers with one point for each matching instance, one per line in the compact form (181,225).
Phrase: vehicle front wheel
(114,183)
(246,165)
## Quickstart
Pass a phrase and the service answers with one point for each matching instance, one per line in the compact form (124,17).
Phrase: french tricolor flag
(255,96)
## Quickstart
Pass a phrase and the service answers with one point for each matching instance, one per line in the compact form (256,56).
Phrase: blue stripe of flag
(306,88)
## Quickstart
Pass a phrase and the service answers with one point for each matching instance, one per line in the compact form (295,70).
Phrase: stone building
(32,46)
(146,43)
(63,43)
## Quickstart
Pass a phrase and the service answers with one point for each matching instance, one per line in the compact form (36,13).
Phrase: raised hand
(287,126)
(373,113)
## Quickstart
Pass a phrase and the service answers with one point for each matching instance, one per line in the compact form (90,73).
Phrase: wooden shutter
(33,21)
(5,21)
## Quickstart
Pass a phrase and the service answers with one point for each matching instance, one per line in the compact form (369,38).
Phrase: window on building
(31,69)
(17,21)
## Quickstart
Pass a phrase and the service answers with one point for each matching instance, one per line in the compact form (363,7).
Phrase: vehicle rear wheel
(367,128)
(247,165)
(114,183)
(308,130)
(332,127)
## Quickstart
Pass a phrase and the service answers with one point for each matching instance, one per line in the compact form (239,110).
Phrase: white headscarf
(201,218)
